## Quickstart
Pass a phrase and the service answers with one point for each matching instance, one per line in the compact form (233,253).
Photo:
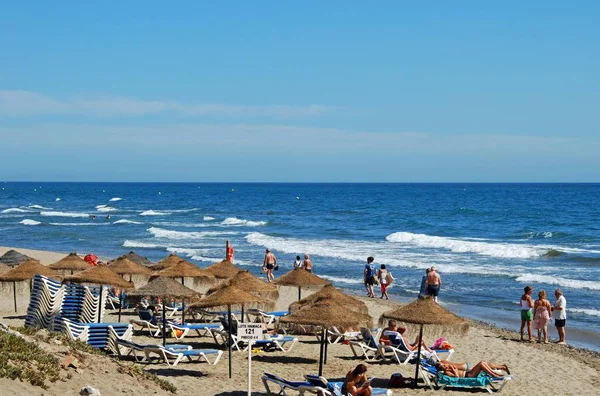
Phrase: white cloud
(27,103)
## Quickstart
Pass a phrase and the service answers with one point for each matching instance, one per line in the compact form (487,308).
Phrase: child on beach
(526,312)
(385,279)
(542,313)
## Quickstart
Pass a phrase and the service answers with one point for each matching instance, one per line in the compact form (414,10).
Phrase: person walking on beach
(385,279)
(368,275)
(542,311)
(297,263)
(307,263)
(526,312)
(559,313)
(434,282)
(268,265)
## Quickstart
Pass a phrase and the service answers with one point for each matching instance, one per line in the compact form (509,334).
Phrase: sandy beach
(537,368)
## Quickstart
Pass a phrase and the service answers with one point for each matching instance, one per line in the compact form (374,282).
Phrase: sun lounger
(491,384)
(402,354)
(368,345)
(334,336)
(277,342)
(297,386)
(267,318)
(173,356)
(200,328)
(335,388)
(147,321)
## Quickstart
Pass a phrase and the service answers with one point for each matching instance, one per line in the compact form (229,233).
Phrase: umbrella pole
(164,320)
(120,304)
(15,294)
(100,305)
(299,293)
(321,353)
(326,333)
(418,356)
(229,340)
(182,311)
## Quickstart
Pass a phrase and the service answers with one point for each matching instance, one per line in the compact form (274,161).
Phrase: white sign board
(250,332)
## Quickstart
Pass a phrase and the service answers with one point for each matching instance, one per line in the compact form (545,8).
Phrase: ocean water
(487,241)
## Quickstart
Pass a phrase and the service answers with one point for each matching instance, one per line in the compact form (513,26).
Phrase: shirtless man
(269,264)
(434,282)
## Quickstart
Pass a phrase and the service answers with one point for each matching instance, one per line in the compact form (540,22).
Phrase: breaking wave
(38,207)
(208,218)
(30,222)
(153,213)
(177,235)
(64,214)
(15,210)
(125,221)
(234,221)
(115,199)
(107,209)
(555,280)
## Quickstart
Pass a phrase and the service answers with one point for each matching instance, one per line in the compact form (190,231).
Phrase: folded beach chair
(297,386)
(147,321)
(277,342)
(334,335)
(182,330)
(173,356)
(401,352)
(431,376)
(368,345)
(335,388)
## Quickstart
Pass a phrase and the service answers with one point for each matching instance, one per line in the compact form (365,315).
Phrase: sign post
(250,332)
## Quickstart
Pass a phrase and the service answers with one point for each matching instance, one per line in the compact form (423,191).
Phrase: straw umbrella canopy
(26,271)
(222,270)
(124,266)
(327,314)
(246,281)
(426,312)
(228,296)
(72,263)
(185,269)
(300,278)
(327,293)
(13,258)
(100,275)
(164,287)
(167,262)
(136,258)
(3,268)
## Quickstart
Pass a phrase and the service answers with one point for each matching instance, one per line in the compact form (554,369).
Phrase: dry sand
(537,368)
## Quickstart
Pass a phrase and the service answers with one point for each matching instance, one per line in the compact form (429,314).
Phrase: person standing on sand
(526,311)
(434,282)
(385,279)
(268,265)
(307,263)
(298,263)
(559,313)
(368,275)
(542,311)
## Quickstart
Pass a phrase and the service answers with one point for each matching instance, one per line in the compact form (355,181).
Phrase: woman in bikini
(464,370)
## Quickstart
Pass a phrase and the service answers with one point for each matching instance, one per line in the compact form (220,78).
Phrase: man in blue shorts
(434,282)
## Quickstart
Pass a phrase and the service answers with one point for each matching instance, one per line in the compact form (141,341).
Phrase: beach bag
(437,343)
(389,278)
(398,381)
(276,267)
(445,346)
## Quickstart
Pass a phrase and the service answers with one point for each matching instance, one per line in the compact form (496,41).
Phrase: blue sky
(308,91)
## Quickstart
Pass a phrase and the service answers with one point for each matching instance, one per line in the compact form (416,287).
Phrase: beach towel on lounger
(482,380)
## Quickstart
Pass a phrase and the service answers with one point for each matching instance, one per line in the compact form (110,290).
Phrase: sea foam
(107,209)
(153,213)
(555,280)
(125,221)
(39,207)
(208,218)
(176,235)
(30,222)
(504,250)
(115,199)
(234,221)
(589,312)
(64,214)
(15,210)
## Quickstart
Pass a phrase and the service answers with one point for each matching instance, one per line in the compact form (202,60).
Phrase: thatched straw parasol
(72,263)
(124,266)
(136,258)
(164,287)
(26,271)
(222,270)
(13,258)
(327,314)
(327,293)
(426,312)
(185,269)
(100,275)
(250,283)
(228,296)
(301,278)
(3,268)
(167,262)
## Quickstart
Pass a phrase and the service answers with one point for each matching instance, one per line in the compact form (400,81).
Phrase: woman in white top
(526,312)
(297,263)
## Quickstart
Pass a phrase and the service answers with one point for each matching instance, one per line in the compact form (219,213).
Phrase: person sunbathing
(415,345)
(392,326)
(464,370)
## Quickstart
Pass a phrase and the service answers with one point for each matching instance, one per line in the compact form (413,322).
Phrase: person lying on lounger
(415,345)
(464,370)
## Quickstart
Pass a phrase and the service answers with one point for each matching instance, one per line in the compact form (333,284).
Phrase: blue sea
(488,241)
